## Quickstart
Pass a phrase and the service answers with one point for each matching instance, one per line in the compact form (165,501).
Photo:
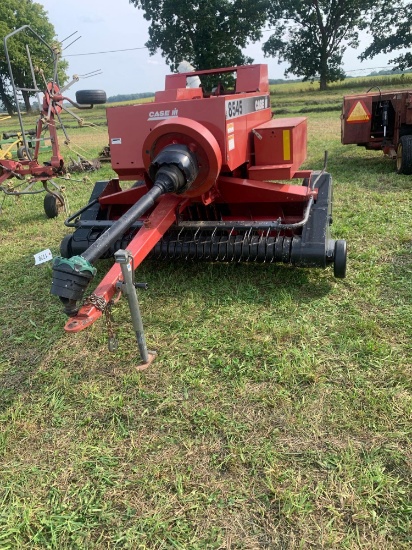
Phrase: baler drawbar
(204,167)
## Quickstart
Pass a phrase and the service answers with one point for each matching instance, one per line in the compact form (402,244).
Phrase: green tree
(13,15)
(207,33)
(313,35)
(391,29)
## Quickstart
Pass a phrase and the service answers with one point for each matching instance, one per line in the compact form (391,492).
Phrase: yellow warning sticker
(286,144)
(359,113)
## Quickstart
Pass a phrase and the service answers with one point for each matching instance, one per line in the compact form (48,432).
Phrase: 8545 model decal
(239,107)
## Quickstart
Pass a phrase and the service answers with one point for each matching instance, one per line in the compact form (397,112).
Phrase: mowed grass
(277,414)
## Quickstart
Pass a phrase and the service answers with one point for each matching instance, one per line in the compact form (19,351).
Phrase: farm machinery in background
(204,166)
(12,145)
(27,168)
(380,121)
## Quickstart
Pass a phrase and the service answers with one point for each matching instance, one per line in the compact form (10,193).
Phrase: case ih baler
(204,167)
(380,121)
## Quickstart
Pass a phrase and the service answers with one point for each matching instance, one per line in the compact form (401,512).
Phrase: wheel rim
(399,157)
(59,203)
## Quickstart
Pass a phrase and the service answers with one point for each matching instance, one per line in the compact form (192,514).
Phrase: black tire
(53,205)
(65,248)
(405,130)
(404,155)
(91,97)
(22,154)
(339,262)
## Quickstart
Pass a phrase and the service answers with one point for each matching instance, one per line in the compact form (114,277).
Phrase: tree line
(310,36)
(128,97)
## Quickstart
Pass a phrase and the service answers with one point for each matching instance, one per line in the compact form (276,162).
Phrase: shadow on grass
(8,205)
(371,171)
(216,280)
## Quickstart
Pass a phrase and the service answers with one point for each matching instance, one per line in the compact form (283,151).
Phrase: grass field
(278,414)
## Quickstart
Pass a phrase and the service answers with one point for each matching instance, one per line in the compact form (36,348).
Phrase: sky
(105,25)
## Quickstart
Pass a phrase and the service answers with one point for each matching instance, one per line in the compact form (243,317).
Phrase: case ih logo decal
(358,113)
(162,115)
(239,107)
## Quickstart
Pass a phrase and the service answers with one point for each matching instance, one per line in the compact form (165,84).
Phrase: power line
(370,69)
(145,48)
(124,50)
(108,51)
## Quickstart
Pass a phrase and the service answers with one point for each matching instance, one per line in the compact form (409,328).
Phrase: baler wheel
(339,262)
(53,204)
(404,155)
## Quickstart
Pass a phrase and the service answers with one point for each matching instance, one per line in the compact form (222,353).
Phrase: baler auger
(50,107)
(204,165)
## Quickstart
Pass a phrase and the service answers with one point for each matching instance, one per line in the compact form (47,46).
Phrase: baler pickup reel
(27,167)
(205,167)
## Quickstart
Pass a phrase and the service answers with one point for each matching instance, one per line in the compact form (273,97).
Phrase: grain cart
(204,167)
(26,168)
(380,121)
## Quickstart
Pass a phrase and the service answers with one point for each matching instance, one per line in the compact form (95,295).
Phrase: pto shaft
(104,242)
(173,171)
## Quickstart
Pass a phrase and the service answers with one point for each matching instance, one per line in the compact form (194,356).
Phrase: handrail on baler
(249,78)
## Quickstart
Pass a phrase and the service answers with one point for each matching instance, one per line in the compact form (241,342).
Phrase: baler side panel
(128,127)
(408,108)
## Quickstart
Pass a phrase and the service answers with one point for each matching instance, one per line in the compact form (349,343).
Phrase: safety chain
(106,308)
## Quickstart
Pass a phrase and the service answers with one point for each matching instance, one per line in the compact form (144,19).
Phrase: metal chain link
(106,308)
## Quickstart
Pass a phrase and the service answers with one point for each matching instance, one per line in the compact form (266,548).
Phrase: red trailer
(204,166)
(380,121)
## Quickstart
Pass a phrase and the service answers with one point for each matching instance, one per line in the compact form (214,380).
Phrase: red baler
(204,167)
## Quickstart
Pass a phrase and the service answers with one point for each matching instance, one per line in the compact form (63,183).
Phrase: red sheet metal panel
(356,119)
(229,118)
(280,143)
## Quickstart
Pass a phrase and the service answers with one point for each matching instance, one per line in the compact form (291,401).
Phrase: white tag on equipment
(43,256)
